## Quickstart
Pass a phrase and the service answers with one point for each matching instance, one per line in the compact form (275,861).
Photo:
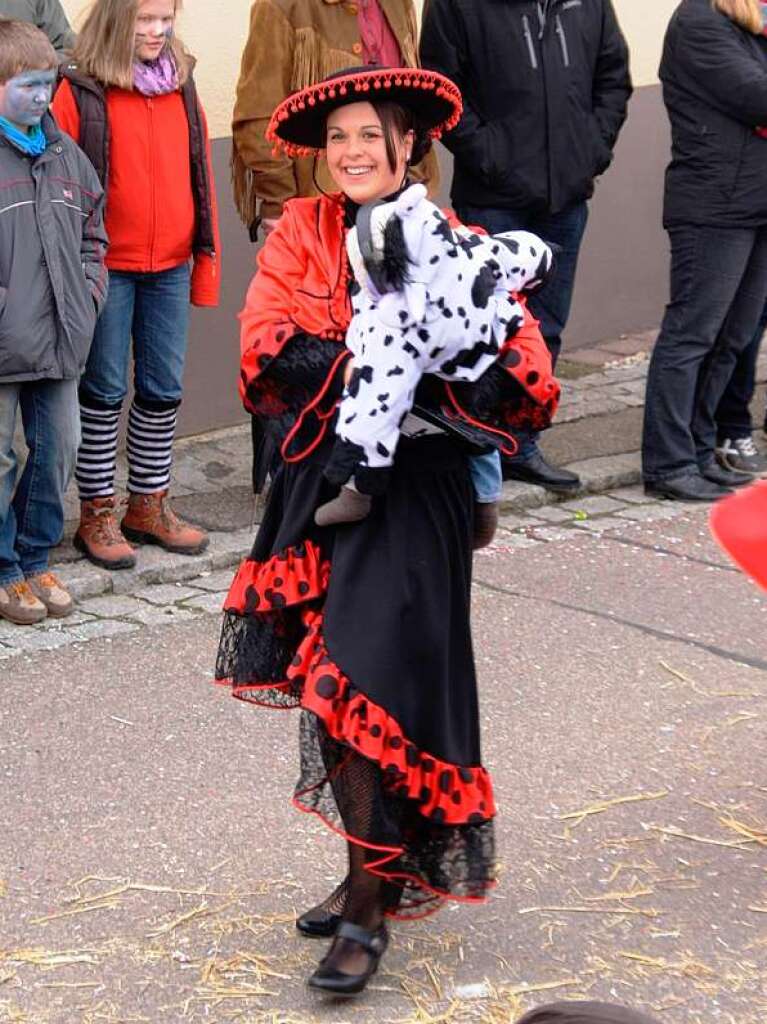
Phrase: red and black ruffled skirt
(366,629)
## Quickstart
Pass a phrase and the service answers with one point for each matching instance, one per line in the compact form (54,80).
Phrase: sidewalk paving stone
(102,629)
(156,615)
(554,514)
(601,525)
(111,606)
(210,603)
(594,506)
(214,581)
(653,513)
(83,579)
(166,593)
(633,495)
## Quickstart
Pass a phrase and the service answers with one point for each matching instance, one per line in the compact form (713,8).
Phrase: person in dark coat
(584,1013)
(48,16)
(714,75)
(545,85)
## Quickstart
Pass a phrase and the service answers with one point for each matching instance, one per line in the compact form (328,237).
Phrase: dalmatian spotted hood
(302,287)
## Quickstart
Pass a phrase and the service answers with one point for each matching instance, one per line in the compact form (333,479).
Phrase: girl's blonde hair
(106,43)
(745,13)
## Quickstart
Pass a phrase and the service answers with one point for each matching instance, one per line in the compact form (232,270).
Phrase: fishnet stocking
(335,903)
(358,786)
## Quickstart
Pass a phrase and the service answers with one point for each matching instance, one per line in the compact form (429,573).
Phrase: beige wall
(215,31)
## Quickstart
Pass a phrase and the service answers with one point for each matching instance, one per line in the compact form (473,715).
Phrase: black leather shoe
(536,470)
(724,477)
(328,979)
(323,926)
(689,487)
(322,921)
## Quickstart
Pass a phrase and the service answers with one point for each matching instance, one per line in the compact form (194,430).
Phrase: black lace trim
(435,862)
(499,400)
(290,381)
(258,649)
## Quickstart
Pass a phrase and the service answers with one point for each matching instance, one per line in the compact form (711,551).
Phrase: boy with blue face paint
(52,287)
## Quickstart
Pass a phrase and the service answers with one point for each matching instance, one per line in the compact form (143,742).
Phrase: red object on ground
(739,525)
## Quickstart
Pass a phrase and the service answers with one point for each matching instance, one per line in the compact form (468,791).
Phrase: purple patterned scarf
(156,77)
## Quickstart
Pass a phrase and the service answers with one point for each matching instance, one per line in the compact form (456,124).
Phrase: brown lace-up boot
(150,519)
(99,538)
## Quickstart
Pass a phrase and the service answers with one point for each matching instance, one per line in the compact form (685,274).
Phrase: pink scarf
(156,77)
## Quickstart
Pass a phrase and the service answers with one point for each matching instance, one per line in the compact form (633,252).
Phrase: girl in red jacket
(129,100)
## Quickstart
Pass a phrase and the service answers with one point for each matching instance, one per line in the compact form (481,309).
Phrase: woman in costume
(365,627)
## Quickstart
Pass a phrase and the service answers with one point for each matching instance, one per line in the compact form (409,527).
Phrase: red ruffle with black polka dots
(294,576)
(447,794)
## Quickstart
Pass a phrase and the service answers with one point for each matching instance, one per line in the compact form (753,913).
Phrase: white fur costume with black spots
(449,317)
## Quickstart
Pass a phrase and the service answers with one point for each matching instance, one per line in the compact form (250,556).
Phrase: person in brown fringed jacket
(291,44)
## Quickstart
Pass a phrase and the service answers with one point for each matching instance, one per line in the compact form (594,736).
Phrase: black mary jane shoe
(337,983)
(322,921)
(323,926)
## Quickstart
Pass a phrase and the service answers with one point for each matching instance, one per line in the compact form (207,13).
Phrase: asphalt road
(151,865)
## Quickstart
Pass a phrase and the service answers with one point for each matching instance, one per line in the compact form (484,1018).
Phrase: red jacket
(150,211)
(302,285)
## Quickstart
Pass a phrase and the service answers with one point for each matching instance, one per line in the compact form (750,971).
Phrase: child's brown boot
(18,604)
(150,519)
(49,589)
(98,535)
(349,507)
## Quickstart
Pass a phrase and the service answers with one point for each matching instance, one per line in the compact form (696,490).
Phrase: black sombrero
(297,126)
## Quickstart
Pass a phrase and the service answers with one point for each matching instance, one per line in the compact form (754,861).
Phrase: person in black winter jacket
(714,75)
(545,85)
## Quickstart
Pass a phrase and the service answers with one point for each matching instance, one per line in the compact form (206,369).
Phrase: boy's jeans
(32,519)
(486,477)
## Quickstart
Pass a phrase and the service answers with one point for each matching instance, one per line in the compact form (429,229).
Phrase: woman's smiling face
(357,156)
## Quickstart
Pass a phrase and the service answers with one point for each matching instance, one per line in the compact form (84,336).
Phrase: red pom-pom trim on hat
(361,82)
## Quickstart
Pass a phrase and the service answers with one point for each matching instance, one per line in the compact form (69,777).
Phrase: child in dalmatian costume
(428,299)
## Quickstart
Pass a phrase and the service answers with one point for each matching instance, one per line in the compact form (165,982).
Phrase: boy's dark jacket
(53,281)
(545,88)
(714,76)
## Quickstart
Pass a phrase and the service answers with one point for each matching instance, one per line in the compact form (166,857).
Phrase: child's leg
(103,388)
(49,413)
(160,332)
(10,570)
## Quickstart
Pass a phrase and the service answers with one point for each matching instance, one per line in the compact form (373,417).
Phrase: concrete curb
(227,549)
(155,566)
(598,475)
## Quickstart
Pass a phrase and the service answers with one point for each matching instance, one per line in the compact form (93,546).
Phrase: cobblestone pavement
(167,590)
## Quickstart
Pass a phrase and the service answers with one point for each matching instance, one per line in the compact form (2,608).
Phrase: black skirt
(366,628)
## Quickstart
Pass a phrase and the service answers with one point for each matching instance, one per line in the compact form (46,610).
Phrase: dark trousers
(550,305)
(718,292)
(733,415)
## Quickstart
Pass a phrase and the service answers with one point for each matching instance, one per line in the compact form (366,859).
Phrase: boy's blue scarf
(32,143)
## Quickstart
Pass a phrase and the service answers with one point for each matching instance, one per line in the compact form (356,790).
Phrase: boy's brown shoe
(150,519)
(18,604)
(49,589)
(99,538)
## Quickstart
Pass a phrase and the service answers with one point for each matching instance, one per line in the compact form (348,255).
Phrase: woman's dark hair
(398,121)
